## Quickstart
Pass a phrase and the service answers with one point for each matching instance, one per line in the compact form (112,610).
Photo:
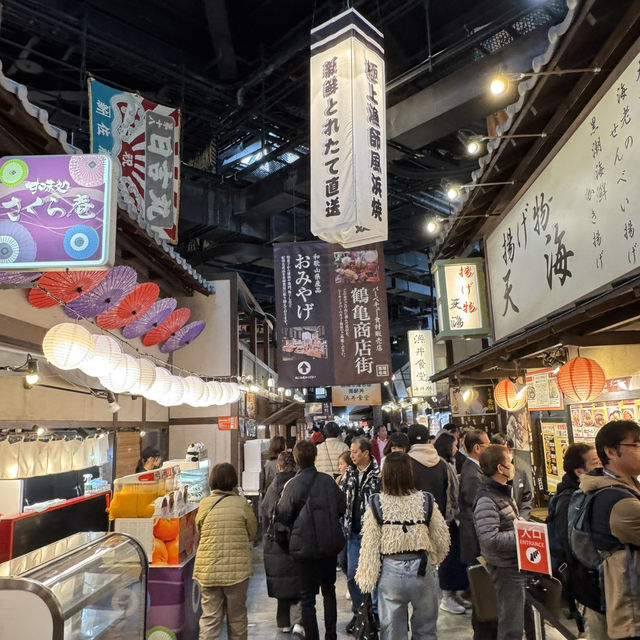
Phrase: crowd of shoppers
(406,529)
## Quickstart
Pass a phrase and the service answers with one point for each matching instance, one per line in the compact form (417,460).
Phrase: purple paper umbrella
(16,243)
(119,282)
(158,313)
(12,278)
(182,337)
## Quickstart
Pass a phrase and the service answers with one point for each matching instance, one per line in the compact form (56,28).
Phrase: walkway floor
(262,611)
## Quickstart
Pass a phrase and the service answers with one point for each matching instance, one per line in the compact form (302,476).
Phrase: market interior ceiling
(238,69)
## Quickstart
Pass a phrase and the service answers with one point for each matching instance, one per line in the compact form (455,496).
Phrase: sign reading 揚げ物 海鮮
(57,212)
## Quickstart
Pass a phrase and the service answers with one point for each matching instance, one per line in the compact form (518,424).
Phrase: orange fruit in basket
(173,551)
(159,555)
(166,528)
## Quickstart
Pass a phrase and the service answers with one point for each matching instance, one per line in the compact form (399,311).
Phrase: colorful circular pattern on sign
(87,170)
(81,242)
(13,172)
(16,243)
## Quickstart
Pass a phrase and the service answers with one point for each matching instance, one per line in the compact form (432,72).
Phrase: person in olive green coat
(227,525)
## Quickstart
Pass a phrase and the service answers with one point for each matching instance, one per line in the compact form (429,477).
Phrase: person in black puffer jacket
(494,513)
(282,579)
(311,506)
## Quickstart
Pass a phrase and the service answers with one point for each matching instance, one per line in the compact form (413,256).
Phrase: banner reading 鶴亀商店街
(332,315)
(143,138)
(348,132)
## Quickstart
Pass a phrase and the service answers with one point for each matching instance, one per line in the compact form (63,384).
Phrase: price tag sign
(533,547)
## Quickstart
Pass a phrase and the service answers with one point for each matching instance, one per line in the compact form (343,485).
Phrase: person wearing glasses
(615,523)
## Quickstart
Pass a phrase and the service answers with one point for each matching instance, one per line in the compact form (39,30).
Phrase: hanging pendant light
(160,386)
(106,356)
(124,376)
(581,379)
(146,378)
(67,345)
(508,396)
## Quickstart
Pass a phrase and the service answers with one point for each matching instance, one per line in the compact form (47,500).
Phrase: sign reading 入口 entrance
(348,132)
(332,324)
(533,546)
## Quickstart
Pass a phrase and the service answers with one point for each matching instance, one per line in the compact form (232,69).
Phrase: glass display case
(87,586)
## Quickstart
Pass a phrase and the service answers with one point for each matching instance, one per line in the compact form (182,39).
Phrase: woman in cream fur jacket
(404,539)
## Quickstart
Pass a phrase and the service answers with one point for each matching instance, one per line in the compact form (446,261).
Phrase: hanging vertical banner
(143,138)
(348,132)
(332,315)
(461,293)
(421,362)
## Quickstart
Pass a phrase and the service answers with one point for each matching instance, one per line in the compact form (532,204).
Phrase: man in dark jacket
(494,514)
(429,469)
(471,479)
(579,458)
(359,483)
(522,493)
(311,506)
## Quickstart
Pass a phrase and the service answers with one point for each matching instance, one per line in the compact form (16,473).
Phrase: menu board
(543,393)
(555,440)
(587,419)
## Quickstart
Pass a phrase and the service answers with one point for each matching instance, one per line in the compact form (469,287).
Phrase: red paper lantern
(581,379)
(507,397)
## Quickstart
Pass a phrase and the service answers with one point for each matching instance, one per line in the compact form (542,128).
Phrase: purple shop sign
(57,212)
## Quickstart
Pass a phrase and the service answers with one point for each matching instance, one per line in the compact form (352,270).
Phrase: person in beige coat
(330,450)
(227,525)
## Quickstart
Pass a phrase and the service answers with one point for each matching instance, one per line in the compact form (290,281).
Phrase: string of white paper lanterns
(70,346)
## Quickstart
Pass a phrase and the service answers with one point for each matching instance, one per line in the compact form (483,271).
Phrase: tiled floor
(262,613)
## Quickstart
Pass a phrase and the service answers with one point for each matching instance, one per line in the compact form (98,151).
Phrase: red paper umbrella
(167,328)
(137,303)
(65,286)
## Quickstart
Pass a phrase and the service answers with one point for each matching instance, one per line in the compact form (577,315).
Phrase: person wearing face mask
(494,513)
(522,493)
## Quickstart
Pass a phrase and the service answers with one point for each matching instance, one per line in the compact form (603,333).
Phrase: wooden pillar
(266,343)
(253,335)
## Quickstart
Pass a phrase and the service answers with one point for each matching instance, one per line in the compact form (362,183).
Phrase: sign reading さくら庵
(57,212)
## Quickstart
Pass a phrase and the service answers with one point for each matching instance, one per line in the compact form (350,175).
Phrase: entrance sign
(462,298)
(361,395)
(533,546)
(421,363)
(332,324)
(574,230)
(143,138)
(348,132)
(57,212)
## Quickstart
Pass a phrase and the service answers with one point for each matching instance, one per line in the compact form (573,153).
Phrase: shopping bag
(366,627)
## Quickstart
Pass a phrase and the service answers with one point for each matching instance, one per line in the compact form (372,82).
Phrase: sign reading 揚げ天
(421,363)
(573,231)
(143,138)
(57,212)
(461,297)
(348,132)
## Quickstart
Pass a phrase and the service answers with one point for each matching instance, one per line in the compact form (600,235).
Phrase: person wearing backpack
(311,506)
(404,539)
(612,516)
(330,450)
(494,513)
(578,584)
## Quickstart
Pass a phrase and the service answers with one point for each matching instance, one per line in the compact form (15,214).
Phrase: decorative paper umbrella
(136,304)
(18,277)
(16,243)
(65,286)
(183,337)
(581,379)
(158,313)
(117,284)
(167,328)
(507,397)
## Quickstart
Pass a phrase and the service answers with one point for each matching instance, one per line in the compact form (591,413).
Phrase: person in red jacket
(378,443)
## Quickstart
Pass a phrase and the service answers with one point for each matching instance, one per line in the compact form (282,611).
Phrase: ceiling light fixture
(432,226)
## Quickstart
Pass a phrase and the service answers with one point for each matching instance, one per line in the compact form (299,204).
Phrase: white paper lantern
(235,392)
(106,356)
(67,345)
(160,386)
(146,378)
(195,389)
(124,376)
(225,393)
(215,392)
(175,394)
(207,394)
